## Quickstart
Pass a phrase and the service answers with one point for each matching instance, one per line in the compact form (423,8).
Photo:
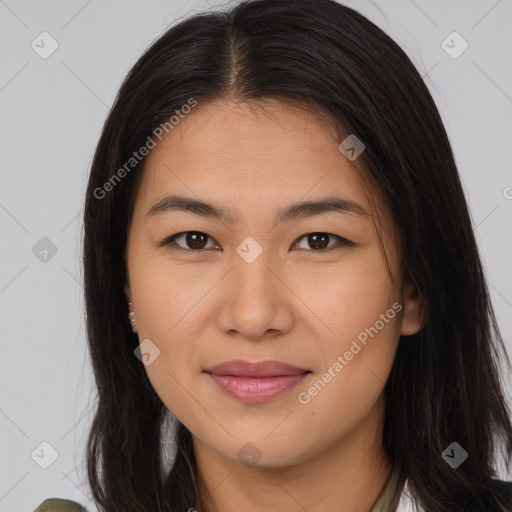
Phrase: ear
(412,318)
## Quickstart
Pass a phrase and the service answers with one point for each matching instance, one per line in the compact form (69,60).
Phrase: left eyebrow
(292,212)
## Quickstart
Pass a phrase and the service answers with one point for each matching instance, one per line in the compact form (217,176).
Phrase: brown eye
(195,240)
(190,240)
(320,241)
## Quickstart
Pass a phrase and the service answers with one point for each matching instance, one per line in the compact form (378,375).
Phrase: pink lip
(255,382)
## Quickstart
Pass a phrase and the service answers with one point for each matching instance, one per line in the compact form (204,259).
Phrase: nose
(256,302)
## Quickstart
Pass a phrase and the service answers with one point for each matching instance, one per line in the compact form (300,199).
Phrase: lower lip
(256,390)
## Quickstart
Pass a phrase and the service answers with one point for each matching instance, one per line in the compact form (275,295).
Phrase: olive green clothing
(59,505)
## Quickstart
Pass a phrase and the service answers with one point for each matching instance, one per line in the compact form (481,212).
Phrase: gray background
(52,111)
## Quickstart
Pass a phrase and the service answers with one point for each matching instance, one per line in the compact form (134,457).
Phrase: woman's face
(270,281)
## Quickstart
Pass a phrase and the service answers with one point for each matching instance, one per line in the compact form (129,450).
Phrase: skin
(293,304)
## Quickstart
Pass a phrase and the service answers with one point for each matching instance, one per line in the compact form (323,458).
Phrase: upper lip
(241,368)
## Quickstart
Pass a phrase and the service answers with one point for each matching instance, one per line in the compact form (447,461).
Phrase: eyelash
(170,240)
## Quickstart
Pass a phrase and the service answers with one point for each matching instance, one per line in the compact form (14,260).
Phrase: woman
(275,205)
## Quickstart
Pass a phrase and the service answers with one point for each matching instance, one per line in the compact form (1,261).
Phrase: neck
(348,475)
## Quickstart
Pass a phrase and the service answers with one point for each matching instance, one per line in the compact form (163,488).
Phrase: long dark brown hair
(444,386)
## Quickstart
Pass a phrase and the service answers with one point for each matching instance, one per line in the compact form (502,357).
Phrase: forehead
(250,155)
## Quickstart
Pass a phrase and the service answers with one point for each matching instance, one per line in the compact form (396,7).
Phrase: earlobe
(131,312)
(412,318)
(132,319)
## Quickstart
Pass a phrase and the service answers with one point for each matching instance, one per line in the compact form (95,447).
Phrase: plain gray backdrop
(62,64)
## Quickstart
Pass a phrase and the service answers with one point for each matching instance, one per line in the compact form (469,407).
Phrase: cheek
(351,381)
(363,316)
(167,297)
(353,298)
(161,314)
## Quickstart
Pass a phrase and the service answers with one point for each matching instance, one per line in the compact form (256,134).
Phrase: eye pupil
(313,240)
(192,237)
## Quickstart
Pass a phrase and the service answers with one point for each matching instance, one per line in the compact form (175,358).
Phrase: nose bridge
(252,270)
(255,303)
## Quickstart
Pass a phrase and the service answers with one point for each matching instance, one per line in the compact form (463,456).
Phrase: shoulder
(504,490)
(502,484)
(501,488)
(59,505)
